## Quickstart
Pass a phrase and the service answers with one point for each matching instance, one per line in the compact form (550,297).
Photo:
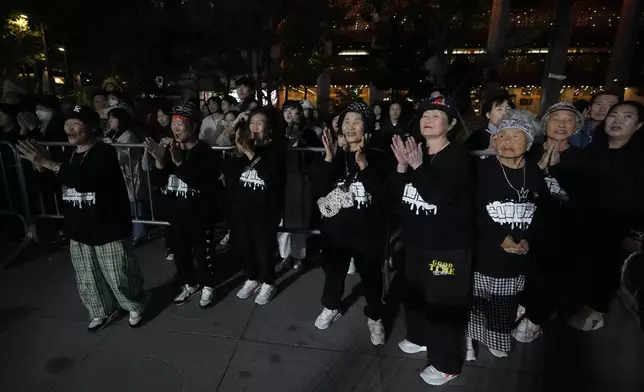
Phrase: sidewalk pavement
(239,346)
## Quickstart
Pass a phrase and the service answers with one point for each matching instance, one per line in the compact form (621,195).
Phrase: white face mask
(112,102)
(44,115)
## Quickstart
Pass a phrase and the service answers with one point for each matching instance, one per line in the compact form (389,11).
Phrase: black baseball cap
(85,114)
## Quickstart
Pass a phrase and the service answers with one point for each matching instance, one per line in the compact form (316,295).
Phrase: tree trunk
(624,46)
(557,54)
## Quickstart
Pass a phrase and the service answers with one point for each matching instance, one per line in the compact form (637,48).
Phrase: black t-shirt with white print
(362,225)
(564,179)
(436,200)
(501,211)
(96,204)
(190,188)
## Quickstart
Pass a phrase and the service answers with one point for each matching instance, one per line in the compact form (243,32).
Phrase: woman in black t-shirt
(434,182)
(510,189)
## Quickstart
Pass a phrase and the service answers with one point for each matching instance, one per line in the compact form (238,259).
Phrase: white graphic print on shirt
(513,214)
(178,187)
(413,198)
(250,178)
(360,195)
(555,189)
(78,199)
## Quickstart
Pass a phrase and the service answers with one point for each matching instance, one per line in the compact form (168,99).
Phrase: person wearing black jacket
(188,177)
(97,218)
(349,191)
(494,108)
(255,179)
(434,184)
(548,285)
(613,206)
(510,189)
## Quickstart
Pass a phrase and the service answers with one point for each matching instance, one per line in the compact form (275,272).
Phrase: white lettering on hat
(77,108)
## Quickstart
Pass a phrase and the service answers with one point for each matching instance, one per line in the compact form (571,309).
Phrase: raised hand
(398,148)
(413,153)
(157,150)
(243,146)
(330,145)
(555,156)
(361,158)
(175,152)
(32,151)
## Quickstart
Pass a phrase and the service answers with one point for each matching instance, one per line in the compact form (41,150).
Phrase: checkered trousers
(493,314)
(107,276)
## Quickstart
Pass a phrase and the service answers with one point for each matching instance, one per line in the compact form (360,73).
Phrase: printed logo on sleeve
(179,188)
(512,214)
(415,201)
(361,197)
(78,199)
(251,179)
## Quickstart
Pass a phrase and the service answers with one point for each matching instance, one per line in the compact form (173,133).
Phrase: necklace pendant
(523,194)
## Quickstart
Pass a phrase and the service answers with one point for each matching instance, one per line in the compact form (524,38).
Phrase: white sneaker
(527,331)
(326,318)
(207,294)
(433,376)
(186,295)
(224,241)
(99,323)
(498,353)
(265,294)
(135,319)
(249,288)
(169,257)
(470,353)
(411,348)
(377,330)
(592,322)
(352,268)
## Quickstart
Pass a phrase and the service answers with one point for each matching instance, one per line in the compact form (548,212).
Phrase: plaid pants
(107,274)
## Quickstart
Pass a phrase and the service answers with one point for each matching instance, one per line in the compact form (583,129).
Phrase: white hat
(306,104)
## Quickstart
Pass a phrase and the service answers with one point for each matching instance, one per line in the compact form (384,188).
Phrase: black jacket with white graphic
(500,213)
(190,188)
(256,189)
(436,201)
(97,208)
(361,226)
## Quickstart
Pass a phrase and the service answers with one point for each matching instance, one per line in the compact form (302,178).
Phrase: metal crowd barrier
(150,199)
(48,204)
(16,203)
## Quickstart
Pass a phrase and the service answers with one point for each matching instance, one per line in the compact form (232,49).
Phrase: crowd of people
(493,246)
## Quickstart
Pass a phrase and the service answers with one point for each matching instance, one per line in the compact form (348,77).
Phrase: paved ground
(238,346)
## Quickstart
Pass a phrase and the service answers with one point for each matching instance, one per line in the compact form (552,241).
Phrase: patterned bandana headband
(186,111)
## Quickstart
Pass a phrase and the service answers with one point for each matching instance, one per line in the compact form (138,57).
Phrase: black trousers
(254,240)
(194,250)
(439,327)
(335,264)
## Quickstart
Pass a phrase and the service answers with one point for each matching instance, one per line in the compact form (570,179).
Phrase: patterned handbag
(336,200)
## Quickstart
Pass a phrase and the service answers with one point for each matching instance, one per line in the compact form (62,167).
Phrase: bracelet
(57,169)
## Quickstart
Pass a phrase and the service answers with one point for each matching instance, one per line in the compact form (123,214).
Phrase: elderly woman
(615,191)
(508,194)
(548,286)
(187,171)
(255,180)
(434,182)
(348,188)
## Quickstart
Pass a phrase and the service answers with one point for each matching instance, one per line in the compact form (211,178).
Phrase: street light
(67,79)
(61,49)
